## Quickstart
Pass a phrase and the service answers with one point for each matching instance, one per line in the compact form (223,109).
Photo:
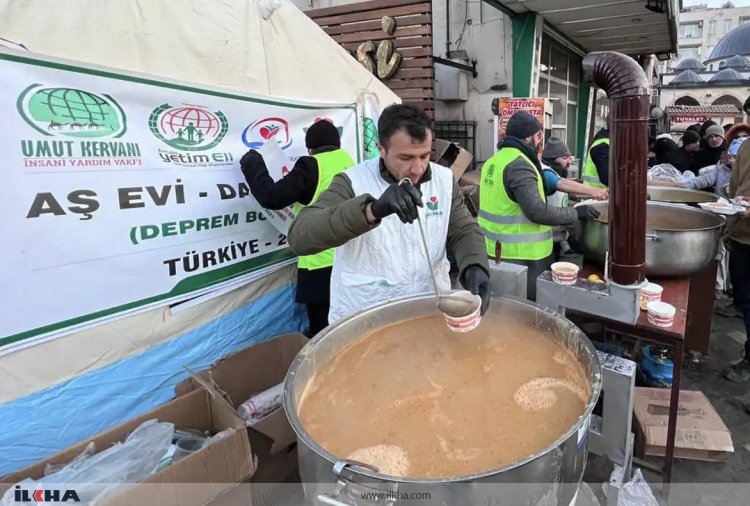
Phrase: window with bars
(462,132)
(691,30)
(559,73)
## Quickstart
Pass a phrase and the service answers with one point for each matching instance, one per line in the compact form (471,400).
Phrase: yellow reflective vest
(590,174)
(501,219)
(329,164)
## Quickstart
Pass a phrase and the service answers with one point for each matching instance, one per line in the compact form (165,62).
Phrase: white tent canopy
(226,44)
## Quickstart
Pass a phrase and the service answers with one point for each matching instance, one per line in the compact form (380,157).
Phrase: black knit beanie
(322,133)
(690,137)
(522,125)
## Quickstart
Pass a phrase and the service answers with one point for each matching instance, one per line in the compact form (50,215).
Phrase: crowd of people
(702,148)
(717,159)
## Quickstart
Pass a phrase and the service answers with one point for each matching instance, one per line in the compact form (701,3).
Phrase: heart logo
(268,132)
(432,204)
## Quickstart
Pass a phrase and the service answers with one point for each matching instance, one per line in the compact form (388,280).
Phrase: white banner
(370,125)
(278,165)
(123,192)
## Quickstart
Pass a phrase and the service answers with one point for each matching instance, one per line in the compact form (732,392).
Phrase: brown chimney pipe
(628,90)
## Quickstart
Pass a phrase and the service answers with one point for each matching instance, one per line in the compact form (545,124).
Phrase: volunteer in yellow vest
(310,176)
(513,208)
(596,170)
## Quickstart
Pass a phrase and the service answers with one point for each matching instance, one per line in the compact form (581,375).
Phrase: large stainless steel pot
(680,240)
(675,195)
(550,476)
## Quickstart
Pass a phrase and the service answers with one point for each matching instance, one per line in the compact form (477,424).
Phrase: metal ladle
(454,305)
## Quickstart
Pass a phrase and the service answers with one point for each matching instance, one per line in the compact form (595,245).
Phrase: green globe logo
(71,112)
(188,128)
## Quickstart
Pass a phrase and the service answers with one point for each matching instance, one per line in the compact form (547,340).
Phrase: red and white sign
(509,106)
(689,119)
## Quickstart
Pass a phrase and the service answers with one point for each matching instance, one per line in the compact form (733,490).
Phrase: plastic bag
(636,492)
(664,172)
(98,476)
(86,453)
(667,172)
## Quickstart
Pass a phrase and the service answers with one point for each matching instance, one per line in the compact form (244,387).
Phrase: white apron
(388,262)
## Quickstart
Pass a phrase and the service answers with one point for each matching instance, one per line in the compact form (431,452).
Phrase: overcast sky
(715,3)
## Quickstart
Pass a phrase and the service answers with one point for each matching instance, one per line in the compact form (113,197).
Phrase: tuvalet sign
(123,192)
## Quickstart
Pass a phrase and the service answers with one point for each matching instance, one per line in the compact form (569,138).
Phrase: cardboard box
(700,435)
(471,178)
(246,373)
(204,475)
(453,156)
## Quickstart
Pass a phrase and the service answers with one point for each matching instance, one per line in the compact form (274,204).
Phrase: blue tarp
(40,424)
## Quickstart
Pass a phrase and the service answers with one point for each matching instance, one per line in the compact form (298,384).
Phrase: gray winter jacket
(520,180)
(718,179)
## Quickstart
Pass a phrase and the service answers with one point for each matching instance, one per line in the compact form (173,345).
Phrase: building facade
(700,29)
(710,79)
(531,48)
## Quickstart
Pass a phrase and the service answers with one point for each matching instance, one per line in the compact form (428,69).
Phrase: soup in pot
(417,400)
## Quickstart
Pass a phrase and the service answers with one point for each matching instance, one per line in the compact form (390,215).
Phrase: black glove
(399,199)
(587,213)
(477,281)
(251,163)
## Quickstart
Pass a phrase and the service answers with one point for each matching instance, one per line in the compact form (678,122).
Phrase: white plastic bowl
(650,293)
(661,314)
(565,273)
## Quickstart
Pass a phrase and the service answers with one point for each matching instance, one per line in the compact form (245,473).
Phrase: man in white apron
(368,217)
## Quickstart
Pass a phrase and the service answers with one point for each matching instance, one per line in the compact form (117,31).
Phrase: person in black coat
(300,186)
(600,156)
(663,148)
(683,158)
(711,148)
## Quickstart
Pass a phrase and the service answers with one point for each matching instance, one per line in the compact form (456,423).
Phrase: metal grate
(462,132)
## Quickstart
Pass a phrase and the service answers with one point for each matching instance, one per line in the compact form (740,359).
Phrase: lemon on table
(595,278)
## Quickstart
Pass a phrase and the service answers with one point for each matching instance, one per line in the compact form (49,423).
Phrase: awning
(625,26)
(702,111)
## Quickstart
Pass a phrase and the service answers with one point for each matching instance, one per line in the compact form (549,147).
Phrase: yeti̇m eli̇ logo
(256,134)
(188,128)
(71,112)
(432,204)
